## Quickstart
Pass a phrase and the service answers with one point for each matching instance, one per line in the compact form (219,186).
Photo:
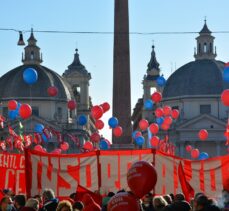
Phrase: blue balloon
(30,76)
(134,134)
(45,139)
(39,128)
(160,120)
(203,156)
(226,74)
(140,140)
(82,119)
(148,104)
(161,81)
(113,122)
(103,144)
(13,115)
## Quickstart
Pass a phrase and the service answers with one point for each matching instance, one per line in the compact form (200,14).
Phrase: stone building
(195,89)
(49,111)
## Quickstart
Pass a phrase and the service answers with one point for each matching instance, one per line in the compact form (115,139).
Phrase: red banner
(12,174)
(106,171)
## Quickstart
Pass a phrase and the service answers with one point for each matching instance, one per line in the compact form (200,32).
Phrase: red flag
(12,132)
(80,191)
(185,186)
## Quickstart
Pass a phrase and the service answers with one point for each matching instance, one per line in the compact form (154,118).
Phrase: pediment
(203,121)
(29,124)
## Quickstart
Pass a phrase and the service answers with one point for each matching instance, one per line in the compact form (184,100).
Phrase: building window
(199,48)
(210,47)
(35,111)
(5,111)
(59,112)
(175,107)
(205,109)
(205,47)
(32,55)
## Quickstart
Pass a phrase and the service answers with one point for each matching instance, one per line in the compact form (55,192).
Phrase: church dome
(200,77)
(12,84)
(204,76)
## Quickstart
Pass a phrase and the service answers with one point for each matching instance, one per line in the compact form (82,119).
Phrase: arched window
(32,55)
(205,47)
(199,48)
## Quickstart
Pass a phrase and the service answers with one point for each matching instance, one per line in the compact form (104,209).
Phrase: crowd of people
(48,202)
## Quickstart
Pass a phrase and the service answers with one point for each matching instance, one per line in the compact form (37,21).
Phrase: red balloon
(71,104)
(52,91)
(95,137)
(25,111)
(108,142)
(159,112)
(12,104)
(203,134)
(97,112)
(167,110)
(141,178)
(175,113)
(56,151)
(117,131)
(154,141)
(154,128)
(88,146)
(64,146)
(168,120)
(106,107)
(195,153)
(188,148)
(225,97)
(138,134)
(156,97)
(165,126)
(38,148)
(143,124)
(226,64)
(123,201)
(99,124)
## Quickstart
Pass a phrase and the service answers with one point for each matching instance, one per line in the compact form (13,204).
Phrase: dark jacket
(50,205)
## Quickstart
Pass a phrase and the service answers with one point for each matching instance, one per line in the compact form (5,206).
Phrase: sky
(96,51)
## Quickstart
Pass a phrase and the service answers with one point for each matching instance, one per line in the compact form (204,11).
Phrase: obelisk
(121,74)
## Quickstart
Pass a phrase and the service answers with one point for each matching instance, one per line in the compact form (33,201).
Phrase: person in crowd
(179,204)
(39,199)
(172,196)
(204,204)
(147,202)
(90,204)
(64,206)
(106,200)
(32,204)
(19,202)
(6,204)
(78,206)
(168,199)
(225,198)
(49,201)
(159,203)
(72,196)
(194,200)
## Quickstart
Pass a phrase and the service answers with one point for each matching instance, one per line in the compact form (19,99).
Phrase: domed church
(195,90)
(50,111)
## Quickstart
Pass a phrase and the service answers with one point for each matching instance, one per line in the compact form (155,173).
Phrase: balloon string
(31,106)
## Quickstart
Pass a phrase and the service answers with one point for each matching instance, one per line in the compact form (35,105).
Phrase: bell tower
(32,52)
(205,44)
(149,81)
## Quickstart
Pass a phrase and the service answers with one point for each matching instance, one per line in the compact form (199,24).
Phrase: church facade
(50,111)
(195,90)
